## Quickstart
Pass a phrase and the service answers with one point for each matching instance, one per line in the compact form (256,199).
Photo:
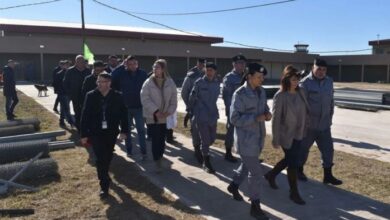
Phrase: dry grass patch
(73,194)
(360,175)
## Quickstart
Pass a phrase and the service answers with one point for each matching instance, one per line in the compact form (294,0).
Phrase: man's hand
(84,141)
(260,118)
(268,116)
(122,136)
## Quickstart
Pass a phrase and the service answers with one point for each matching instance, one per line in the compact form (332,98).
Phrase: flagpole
(82,25)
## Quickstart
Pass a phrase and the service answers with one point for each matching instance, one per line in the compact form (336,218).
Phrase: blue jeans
(136,114)
(10,103)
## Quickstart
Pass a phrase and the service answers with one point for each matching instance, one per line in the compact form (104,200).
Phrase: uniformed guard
(231,82)
(192,75)
(203,102)
(248,113)
(318,89)
(103,112)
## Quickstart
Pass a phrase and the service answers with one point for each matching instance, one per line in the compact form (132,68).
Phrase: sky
(326,25)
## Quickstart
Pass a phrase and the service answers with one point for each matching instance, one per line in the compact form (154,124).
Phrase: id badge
(104,124)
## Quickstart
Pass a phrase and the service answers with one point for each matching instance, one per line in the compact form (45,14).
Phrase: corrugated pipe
(23,150)
(34,136)
(40,168)
(24,121)
(16,130)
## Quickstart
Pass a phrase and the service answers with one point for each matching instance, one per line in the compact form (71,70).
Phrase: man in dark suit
(103,112)
(9,90)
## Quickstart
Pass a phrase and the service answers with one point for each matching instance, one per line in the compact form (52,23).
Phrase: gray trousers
(207,133)
(251,168)
(195,133)
(229,137)
(324,142)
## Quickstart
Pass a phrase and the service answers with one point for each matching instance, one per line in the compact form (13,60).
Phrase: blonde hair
(164,66)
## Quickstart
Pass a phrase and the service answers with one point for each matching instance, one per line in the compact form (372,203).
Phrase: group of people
(109,99)
(301,115)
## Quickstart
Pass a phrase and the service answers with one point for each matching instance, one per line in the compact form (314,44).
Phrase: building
(380,46)
(39,45)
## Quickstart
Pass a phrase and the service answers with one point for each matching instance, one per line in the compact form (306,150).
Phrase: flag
(88,55)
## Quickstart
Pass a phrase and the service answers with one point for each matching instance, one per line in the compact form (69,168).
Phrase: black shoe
(301,176)
(256,211)
(103,194)
(233,189)
(56,111)
(229,157)
(295,197)
(13,115)
(271,180)
(207,165)
(62,123)
(10,118)
(329,178)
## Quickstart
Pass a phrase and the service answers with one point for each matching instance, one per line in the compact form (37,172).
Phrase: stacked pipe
(19,126)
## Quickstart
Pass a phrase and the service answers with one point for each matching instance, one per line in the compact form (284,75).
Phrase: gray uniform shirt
(203,100)
(192,75)
(319,94)
(231,82)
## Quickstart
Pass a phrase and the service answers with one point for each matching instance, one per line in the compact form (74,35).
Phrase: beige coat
(153,99)
(285,124)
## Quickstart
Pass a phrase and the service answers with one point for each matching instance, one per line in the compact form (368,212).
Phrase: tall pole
(82,25)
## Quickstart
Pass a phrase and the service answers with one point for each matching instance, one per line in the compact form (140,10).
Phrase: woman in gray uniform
(288,128)
(248,112)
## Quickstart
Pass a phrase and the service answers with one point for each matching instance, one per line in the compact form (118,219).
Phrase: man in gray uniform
(203,102)
(192,75)
(319,92)
(231,82)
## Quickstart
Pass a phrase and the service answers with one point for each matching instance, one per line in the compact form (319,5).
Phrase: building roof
(379,42)
(48,27)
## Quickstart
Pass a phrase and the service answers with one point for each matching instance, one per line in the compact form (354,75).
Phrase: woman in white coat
(159,100)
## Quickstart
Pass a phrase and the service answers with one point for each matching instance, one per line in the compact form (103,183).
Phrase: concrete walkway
(207,193)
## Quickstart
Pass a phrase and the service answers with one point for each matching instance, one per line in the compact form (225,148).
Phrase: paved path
(207,193)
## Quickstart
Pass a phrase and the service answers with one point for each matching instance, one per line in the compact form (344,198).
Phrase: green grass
(360,175)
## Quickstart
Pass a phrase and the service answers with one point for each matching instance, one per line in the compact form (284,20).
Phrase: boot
(207,165)
(292,181)
(256,211)
(233,189)
(271,175)
(229,156)
(169,137)
(198,155)
(301,175)
(329,178)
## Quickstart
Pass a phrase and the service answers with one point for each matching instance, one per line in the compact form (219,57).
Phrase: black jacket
(9,88)
(73,81)
(92,114)
(53,73)
(58,81)
(89,84)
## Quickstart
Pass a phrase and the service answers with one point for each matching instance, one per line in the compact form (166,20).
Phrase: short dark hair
(320,62)
(288,72)
(105,75)
(131,57)
(98,63)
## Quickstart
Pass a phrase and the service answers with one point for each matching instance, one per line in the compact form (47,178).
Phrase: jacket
(188,84)
(231,82)
(130,84)
(246,105)
(9,88)
(289,120)
(319,94)
(58,82)
(153,98)
(203,100)
(89,84)
(93,110)
(73,81)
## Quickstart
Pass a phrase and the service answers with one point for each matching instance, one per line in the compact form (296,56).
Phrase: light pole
(123,53)
(340,60)
(41,53)
(188,59)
